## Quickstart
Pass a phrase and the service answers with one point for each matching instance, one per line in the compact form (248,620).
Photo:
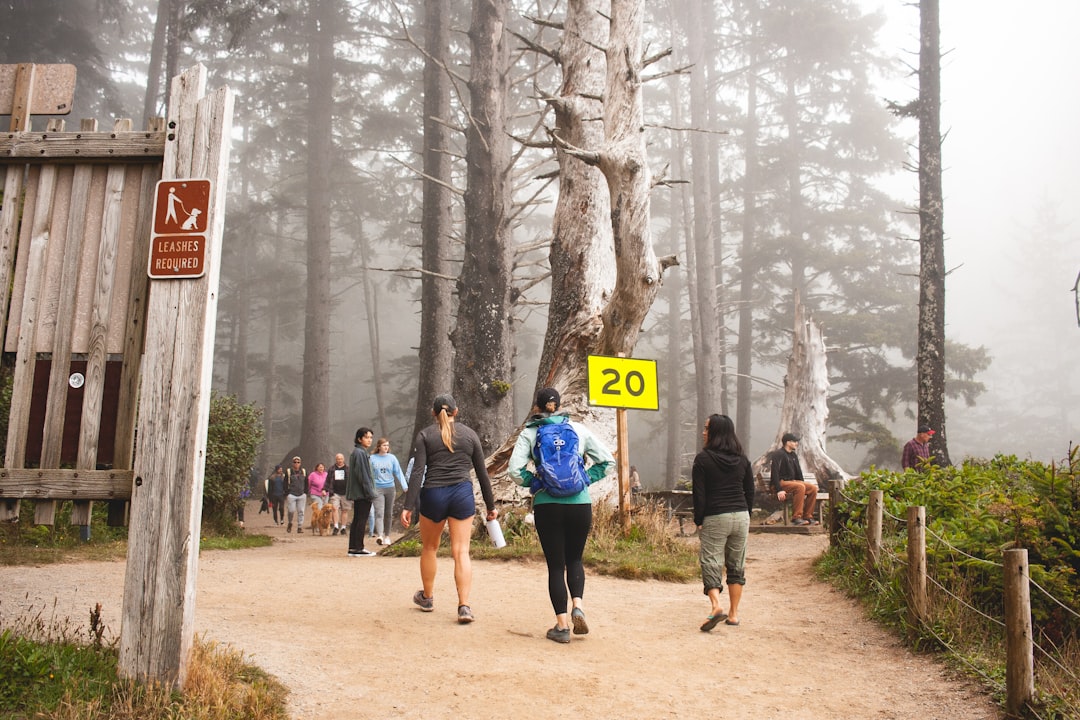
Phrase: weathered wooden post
(622,464)
(874,510)
(834,517)
(174,401)
(917,602)
(1019,649)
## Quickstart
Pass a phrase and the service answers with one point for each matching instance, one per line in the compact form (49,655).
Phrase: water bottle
(495,533)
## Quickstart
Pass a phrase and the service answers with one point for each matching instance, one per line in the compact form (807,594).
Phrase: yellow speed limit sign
(623,383)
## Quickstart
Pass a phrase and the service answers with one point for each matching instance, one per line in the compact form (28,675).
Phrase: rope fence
(930,600)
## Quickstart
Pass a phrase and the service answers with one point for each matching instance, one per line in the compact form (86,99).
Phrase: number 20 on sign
(623,383)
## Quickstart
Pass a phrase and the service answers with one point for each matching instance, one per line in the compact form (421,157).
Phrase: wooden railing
(1019,644)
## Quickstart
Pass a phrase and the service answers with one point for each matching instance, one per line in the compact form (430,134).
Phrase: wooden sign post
(623,383)
(27,89)
(174,405)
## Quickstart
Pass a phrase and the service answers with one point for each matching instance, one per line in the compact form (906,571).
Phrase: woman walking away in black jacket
(723,498)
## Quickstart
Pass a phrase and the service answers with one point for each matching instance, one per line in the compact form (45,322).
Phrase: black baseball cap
(546,395)
(924,429)
(444,402)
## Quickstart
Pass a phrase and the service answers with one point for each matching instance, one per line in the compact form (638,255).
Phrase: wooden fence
(90,339)
(74,232)
(1019,644)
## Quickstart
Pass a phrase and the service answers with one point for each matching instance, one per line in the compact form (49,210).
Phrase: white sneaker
(386,540)
(378,540)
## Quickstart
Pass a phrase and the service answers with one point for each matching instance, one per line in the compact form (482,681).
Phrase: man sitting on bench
(786,477)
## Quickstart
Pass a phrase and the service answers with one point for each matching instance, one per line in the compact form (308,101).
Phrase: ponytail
(446,428)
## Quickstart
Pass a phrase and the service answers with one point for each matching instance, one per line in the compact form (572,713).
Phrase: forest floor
(345,638)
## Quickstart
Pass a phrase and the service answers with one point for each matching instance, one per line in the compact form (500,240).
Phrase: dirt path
(344,637)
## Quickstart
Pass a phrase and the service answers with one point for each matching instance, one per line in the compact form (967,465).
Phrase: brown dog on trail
(321,518)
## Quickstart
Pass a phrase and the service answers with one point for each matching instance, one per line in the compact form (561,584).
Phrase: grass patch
(649,552)
(57,672)
(234,542)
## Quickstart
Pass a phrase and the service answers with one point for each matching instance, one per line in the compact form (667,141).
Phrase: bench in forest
(822,496)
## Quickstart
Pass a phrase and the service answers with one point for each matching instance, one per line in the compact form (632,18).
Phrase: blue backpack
(558,460)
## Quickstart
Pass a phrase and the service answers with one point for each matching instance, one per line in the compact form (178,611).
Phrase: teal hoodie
(591,449)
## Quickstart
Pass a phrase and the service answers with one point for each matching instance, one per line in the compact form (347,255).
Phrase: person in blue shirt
(562,523)
(388,476)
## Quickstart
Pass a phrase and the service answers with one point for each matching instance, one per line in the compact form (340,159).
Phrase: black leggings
(277,505)
(563,530)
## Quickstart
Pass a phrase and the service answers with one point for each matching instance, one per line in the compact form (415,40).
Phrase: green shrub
(974,513)
(232,441)
(979,510)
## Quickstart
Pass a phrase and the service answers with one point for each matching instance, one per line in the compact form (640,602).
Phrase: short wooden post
(13,187)
(834,517)
(1019,648)
(874,512)
(917,602)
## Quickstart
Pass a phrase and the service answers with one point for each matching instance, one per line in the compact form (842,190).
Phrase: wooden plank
(132,146)
(104,283)
(134,318)
(45,512)
(59,215)
(174,403)
(29,203)
(10,212)
(65,484)
(22,97)
(68,253)
(130,257)
(32,246)
(101,304)
(90,222)
(52,89)
(25,358)
(81,512)
(60,369)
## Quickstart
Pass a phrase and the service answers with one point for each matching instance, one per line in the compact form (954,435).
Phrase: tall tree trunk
(371,308)
(930,358)
(176,10)
(314,419)
(680,238)
(748,261)
(625,165)
(157,56)
(582,257)
(238,355)
(796,245)
(273,322)
(269,402)
(706,265)
(436,301)
(483,338)
(673,382)
(622,159)
(716,117)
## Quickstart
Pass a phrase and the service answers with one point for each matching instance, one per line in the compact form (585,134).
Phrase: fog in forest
(1012,175)
(1012,224)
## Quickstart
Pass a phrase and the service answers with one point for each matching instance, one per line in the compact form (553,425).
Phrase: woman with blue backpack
(556,448)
